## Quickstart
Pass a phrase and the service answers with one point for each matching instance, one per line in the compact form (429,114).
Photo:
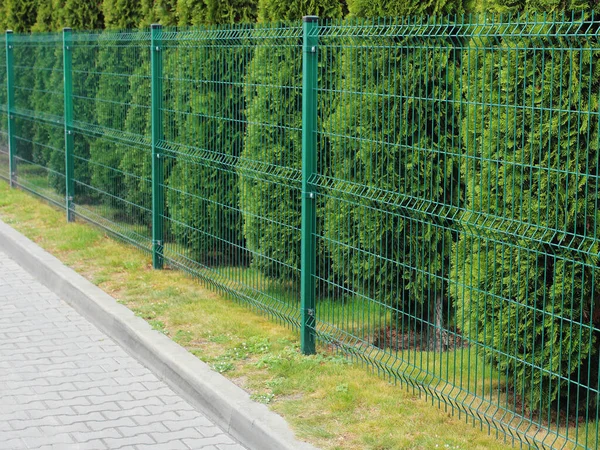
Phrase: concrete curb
(229,406)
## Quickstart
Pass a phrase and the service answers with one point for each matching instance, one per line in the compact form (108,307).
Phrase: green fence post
(157,160)
(10,103)
(69,138)
(309,166)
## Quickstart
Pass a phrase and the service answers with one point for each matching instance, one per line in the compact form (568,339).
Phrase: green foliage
(190,12)
(50,15)
(270,195)
(202,198)
(3,22)
(20,15)
(158,11)
(47,16)
(209,12)
(401,8)
(25,76)
(231,11)
(81,15)
(136,162)
(113,97)
(120,14)
(85,90)
(284,10)
(548,6)
(392,137)
(47,99)
(526,264)
(49,138)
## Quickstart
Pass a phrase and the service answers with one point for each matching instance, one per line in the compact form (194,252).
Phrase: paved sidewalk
(65,385)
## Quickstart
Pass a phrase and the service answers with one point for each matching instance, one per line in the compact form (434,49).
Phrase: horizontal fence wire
(456,190)
(112,133)
(458,218)
(232,116)
(38,115)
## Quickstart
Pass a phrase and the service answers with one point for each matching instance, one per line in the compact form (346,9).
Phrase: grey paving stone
(230,447)
(105,424)
(65,385)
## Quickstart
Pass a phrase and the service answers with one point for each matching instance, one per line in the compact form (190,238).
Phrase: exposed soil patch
(397,340)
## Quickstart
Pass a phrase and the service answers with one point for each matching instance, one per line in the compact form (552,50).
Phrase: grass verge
(327,401)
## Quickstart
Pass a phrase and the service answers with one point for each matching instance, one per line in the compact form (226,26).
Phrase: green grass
(328,401)
(36,179)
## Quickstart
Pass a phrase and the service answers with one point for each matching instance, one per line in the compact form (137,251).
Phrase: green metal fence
(35,103)
(4,155)
(225,174)
(112,132)
(420,194)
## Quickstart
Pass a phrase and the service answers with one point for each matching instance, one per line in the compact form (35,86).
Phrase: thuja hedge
(392,242)
(526,266)
(208,123)
(52,16)
(270,163)
(136,160)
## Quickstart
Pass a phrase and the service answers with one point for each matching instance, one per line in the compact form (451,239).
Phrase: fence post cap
(66,29)
(310,19)
(155,26)
(9,31)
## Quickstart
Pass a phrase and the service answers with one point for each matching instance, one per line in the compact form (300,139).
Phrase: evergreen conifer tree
(20,15)
(526,263)
(122,14)
(202,195)
(46,97)
(393,133)
(270,164)
(115,60)
(190,12)
(81,15)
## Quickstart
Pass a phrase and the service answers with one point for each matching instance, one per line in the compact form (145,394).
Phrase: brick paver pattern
(66,385)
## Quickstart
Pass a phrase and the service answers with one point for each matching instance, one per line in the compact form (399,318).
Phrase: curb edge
(228,405)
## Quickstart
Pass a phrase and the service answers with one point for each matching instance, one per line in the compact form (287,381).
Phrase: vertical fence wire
(38,115)
(456,190)
(112,126)
(233,149)
(458,215)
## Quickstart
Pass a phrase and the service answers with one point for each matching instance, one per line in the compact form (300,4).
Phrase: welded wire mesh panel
(458,214)
(4,161)
(112,121)
(38,115)
(457,189)
(232,116)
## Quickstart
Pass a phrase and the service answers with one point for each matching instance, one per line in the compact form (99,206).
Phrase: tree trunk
(438,340)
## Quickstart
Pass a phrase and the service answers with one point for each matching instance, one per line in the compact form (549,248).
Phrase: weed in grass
(342,388)
(223,366)
(265,398)
(159,326)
